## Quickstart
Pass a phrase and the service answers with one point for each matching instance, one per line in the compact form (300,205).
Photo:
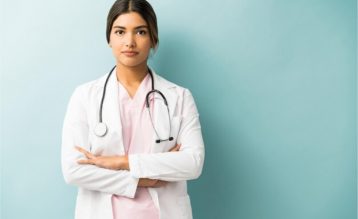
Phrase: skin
(130,43)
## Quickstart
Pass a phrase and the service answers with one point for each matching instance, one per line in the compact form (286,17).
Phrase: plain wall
(274,81)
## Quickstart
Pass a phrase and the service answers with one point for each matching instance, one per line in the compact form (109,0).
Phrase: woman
(129,149)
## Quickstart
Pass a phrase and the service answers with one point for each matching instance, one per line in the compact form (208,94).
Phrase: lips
(130,53)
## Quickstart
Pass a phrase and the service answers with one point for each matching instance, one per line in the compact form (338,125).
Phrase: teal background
(275,83)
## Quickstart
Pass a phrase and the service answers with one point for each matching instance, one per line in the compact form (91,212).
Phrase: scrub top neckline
(137,97)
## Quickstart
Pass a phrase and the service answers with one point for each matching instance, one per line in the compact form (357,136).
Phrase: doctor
(131,139)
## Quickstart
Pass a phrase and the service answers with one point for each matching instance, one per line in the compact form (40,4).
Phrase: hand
(155,183)
(175,148)
(107,162)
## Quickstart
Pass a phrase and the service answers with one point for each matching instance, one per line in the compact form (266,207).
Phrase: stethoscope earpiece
(101,128)
(160,140)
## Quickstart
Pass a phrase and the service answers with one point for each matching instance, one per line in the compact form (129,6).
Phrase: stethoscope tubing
(104,94)
(101,129)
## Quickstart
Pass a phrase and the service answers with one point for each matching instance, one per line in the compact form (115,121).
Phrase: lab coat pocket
(185,207)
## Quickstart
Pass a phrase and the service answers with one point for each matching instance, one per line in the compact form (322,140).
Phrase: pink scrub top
(137,134)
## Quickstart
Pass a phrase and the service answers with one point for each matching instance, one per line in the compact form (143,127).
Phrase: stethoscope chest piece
(100,129)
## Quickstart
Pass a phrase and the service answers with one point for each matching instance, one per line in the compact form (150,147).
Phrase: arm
(185,164)
(117,162)
(75,132)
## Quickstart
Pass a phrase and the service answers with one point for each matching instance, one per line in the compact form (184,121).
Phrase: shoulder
(93,84)
(184,98)
(81,96)
(87,88)
(173,87)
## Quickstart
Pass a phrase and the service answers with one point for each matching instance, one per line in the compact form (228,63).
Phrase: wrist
(124,164)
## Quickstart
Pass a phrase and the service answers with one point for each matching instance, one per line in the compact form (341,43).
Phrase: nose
(130,40)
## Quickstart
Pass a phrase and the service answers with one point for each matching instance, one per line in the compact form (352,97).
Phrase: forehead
(131,19)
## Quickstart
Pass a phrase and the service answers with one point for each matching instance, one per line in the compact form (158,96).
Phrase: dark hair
(143,8)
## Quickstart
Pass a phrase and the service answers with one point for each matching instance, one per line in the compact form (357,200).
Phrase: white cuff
(132,187)
(134,166)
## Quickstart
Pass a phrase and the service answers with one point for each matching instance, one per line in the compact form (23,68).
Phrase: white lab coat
(96,185)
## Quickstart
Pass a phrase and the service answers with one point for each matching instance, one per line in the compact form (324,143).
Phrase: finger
(175,148)
(84,161)
(145,182)
(83,151)
(86,153)
(152,182)
(160,183)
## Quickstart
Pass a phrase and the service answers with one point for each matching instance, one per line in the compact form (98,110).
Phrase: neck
(131,76)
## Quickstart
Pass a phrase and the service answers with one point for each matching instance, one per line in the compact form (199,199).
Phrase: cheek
(116,48)
(146,46)
(115,43)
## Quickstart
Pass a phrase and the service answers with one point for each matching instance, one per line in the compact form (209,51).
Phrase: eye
(119,32)
(142,32)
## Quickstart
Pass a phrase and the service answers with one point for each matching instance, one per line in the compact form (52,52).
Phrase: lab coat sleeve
(75,133)
(185,164)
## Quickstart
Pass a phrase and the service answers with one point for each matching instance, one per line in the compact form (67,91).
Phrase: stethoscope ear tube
(155,91)
(147,99)
(160,140)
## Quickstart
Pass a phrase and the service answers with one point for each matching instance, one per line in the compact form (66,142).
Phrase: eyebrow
(138,27)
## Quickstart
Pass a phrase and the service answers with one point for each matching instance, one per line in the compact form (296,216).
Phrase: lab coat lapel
(161,120)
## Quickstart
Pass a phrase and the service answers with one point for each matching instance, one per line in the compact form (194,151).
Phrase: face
(130,40)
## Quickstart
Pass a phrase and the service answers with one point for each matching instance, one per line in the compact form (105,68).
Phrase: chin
(132,63)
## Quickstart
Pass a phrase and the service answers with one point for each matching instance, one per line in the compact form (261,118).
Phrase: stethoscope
(101,128)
